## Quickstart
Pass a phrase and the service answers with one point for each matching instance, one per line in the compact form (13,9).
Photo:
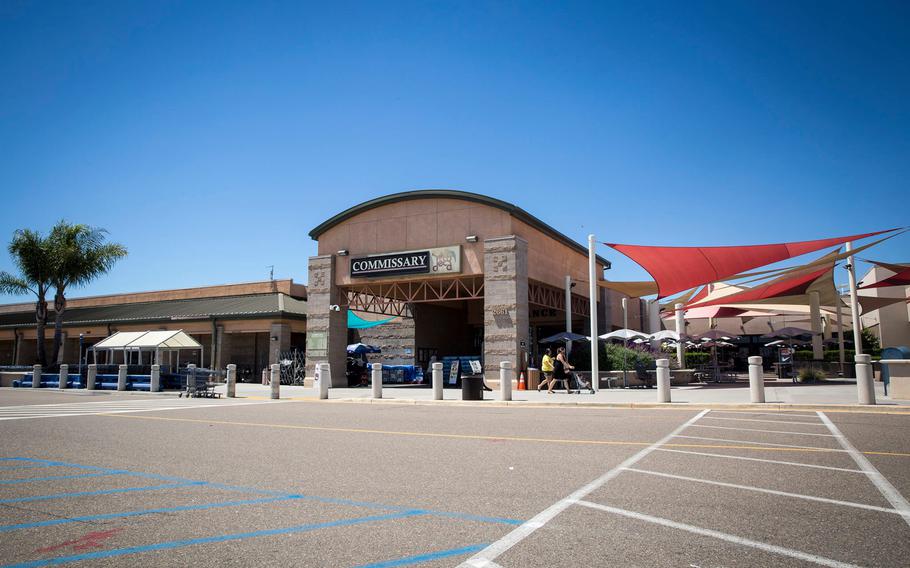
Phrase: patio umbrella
(717,334)
(624,334)
(358,348)
(665,334)
(787,332)
(563,336)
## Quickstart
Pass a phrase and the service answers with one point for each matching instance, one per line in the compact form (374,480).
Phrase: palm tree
(32,255)
(80,255)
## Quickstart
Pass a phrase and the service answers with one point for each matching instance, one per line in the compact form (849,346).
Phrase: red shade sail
(902,278)
(783,287)
(679,268)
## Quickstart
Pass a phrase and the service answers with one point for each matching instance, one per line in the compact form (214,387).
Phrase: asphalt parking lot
(150,481)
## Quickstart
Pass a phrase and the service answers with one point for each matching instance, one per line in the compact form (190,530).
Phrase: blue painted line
(55,477)
(200,507)
(99,492)
(430,556)
(330,500)
(207,540)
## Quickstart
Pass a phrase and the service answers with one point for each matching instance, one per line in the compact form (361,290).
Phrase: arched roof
(513,210)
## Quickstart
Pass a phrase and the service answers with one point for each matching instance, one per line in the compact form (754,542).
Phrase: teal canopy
(357,322)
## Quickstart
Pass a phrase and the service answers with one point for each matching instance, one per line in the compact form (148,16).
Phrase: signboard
(444,260)
(786,355)
(476,368)
(453,372)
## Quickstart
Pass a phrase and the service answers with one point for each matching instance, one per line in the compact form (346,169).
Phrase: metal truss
(540,294)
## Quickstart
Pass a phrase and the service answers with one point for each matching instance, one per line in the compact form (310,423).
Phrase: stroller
(580,384)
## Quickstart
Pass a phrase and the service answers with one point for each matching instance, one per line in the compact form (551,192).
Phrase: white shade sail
(624,334)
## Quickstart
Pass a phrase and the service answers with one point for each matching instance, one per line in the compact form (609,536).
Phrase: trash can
(533,378)
(472,387)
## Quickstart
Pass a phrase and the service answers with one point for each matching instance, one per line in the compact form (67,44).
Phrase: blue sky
(209,138)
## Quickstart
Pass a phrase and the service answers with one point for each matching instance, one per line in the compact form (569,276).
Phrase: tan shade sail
(631,289)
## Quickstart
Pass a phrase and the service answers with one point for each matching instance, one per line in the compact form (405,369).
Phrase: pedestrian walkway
(776,392)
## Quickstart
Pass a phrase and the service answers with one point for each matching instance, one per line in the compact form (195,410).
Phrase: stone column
(327,329)
(223,346)
(91,377)
(155,379)
(63,376)
(506,317)
(121,377)
(279,341)
(36,376)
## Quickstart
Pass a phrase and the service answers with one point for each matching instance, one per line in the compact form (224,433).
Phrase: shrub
(695,358)
(809,375)
(618,356)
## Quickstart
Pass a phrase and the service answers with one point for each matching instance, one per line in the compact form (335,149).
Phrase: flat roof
(513,210)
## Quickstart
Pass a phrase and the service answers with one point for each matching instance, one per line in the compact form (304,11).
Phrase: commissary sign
(443,260)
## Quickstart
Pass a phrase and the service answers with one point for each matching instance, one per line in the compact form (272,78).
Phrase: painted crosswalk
(116,407)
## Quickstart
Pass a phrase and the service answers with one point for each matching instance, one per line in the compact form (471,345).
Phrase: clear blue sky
(209,138)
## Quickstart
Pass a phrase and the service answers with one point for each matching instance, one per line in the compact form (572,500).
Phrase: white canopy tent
(152,342)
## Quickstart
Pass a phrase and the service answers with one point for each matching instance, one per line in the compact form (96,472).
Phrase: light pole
(81,343)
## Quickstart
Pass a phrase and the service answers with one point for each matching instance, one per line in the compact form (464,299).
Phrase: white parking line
(770,491)
(760,443)
(881,483)
(767,431)
(485,558)
(780,414)
(821,560)
(761,460)
(761,420)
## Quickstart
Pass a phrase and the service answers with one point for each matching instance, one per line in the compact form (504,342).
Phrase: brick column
(505,303)
(327,330)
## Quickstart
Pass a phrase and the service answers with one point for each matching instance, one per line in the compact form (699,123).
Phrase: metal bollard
(505,380)
(36,377)
(92,377)
(64,376)
(437,381)
(121,377)
(663,380)
(325,379)
(275,380)
(377,380)
(231,385)
(155,380)
(756,380)
(865,388)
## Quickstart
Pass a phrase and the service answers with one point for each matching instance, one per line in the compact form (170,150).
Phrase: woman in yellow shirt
(546,367)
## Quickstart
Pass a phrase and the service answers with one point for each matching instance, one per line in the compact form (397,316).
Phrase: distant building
(248,324)
(891,323)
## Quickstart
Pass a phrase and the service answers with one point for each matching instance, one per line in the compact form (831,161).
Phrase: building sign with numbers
(444,260)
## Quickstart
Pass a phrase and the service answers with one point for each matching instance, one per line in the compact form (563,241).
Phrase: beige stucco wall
(438,222)
(893,321)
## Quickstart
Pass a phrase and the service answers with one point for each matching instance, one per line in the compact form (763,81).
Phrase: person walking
(546,367)
(560,370)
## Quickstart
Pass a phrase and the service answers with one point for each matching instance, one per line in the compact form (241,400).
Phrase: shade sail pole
(568,312)
(681,331)
(854,304)
(840,334)
(592,294)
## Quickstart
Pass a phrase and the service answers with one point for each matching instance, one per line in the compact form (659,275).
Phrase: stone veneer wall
(327,330)
(397,340)
(506,317)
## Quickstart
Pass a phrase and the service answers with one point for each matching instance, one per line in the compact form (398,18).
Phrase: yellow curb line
(487,438)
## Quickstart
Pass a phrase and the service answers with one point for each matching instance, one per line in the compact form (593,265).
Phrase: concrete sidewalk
(776,393)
